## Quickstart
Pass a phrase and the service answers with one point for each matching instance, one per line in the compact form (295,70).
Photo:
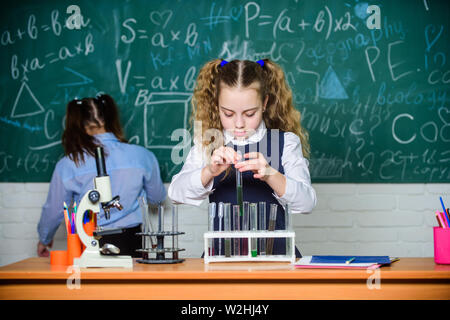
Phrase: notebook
(339,262)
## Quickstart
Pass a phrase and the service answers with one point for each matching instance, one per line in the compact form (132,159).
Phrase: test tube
(211,215)
(227,227)
(220,216)
(174,230)
(160,218)
(160,237)
(287,226)
(239,191)
(272,221)
(262,227)
(244,227)
(236,227)
(253,227)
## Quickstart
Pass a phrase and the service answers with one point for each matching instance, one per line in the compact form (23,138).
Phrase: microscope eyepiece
(100,162)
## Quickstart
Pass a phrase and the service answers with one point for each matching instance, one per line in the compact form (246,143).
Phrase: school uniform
(283,152)
(134,172)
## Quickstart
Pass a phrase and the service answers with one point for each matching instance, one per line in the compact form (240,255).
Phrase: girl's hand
(42,250)
(221,159)
(258,164)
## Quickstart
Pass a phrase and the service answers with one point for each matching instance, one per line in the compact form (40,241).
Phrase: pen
(445,218)
(442,204)
(350,260)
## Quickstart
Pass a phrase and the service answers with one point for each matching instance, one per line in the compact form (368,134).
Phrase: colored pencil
(444,220)
(66,220)
(438,219)
(441,222)
(73,222)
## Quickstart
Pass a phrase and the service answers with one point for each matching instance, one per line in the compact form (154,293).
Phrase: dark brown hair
(102,111)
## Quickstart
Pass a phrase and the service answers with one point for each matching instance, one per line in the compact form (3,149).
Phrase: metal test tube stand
(160,234)
(100,195)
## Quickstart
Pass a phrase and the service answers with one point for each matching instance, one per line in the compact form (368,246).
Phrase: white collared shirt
(186,186)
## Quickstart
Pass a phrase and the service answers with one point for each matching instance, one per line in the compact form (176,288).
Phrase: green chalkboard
(375,101)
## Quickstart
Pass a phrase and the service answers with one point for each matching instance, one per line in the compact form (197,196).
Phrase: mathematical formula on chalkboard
(371,79)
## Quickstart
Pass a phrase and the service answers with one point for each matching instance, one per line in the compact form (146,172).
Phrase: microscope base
(93,259)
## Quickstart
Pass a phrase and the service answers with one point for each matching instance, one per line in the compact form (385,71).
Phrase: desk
(409,278)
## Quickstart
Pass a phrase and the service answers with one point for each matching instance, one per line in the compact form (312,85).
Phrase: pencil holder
(58,258)
(73,248)
(441,245)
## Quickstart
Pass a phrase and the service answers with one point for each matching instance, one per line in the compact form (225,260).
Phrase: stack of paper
(344,262)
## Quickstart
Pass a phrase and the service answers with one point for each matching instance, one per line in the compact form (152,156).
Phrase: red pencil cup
(441,245)
(73,248)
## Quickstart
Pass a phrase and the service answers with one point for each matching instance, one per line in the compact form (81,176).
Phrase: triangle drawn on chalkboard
(331,87)
(22,109)
(85,80)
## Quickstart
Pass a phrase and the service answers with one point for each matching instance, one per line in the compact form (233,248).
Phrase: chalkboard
(373,88)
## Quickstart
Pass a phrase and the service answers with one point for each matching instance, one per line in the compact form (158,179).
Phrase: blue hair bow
(224,62)
(260,62)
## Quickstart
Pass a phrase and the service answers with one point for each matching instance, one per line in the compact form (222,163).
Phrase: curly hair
(280,112)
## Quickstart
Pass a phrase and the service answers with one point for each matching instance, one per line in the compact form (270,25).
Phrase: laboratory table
(408,278)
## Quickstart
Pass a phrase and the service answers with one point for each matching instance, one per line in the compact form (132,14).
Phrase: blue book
(358,259)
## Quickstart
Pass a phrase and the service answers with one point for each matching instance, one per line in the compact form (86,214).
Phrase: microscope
(93,255)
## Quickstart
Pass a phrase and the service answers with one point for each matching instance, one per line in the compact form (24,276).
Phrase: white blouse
(186,186)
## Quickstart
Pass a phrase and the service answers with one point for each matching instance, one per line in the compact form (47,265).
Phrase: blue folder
(358,259)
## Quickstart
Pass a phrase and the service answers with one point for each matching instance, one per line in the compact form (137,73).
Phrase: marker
(350,260)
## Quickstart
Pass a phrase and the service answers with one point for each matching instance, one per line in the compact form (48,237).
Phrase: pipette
(220,216)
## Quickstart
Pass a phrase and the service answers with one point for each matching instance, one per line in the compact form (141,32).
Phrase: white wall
(353,219)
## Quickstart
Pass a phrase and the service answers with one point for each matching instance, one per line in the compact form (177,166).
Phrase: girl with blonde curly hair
(248,123)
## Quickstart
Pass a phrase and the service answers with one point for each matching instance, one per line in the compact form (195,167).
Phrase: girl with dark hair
(133,170)
(246,106)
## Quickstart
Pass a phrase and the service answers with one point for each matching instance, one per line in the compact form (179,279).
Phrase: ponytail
(280,111)
(101,110)
(205,98)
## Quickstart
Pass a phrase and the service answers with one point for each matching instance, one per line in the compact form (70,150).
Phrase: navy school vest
(254,190)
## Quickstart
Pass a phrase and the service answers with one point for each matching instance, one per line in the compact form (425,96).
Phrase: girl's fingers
(249,162)
(254,155)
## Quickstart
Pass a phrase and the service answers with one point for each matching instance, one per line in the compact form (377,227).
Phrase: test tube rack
(289,235)
(159,250)
(148,233)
